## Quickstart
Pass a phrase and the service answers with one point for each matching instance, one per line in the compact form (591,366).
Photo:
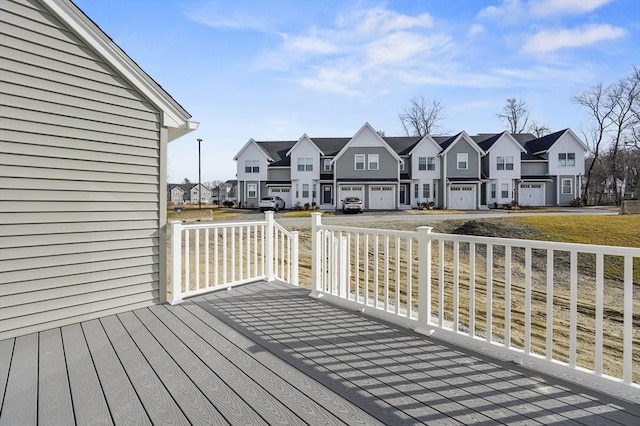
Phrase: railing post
(294,258)
(316,221)
(269,249)
(176,263)
(424,279)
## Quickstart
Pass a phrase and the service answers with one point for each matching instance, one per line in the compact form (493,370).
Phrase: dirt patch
(502,229)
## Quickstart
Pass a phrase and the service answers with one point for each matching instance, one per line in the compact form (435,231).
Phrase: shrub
(577,202)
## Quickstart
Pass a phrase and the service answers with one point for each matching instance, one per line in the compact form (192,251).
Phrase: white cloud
(565,7)
(514,11)
(400,47)
(309,45)
(551,40)
(380,20)
(475,30)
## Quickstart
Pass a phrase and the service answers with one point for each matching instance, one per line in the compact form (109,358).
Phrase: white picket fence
(501,295)
(211,256)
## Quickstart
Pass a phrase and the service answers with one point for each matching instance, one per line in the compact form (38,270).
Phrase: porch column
(424,279)
(316,242)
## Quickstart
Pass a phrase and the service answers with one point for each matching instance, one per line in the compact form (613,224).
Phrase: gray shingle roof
(544,143)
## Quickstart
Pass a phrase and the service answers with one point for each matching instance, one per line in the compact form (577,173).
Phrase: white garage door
(462,197)
(382,197)
(531,194)
(284,193)
(351,191)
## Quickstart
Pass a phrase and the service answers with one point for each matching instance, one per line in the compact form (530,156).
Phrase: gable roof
(448,143)
(260,148)
(487,143)
(368,127)
(543,144)
(175,118)
(302,138)
(277,152)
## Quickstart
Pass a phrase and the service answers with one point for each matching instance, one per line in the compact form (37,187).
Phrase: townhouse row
(459,172)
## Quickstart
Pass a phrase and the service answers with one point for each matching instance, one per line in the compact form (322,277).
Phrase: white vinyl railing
(544,304)
(212,256)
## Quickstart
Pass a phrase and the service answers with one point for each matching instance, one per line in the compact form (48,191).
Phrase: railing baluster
(224,255)
(489,306)
(527,300)
(366,269)
(397,275)
(573,308)
(549,337)
(233,255)
(472,289)
(240,246)
(187,262)
(206,258)
(386,273)
(627,369)
(409,286)
(507,296)
(599,312)
(441,283)
(196,244)
(456,284)
(357,267)
(215,255)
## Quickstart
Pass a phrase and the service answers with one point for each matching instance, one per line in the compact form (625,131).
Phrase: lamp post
(199,176)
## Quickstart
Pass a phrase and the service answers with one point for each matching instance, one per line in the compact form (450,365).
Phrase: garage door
(462,197)
(351,191)
(382,197)
(531,194)
(284,193)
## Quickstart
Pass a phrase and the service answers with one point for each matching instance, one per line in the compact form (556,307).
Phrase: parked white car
(352,204)
(271,203)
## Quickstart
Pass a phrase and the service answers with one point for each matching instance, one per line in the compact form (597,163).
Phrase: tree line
(612,133)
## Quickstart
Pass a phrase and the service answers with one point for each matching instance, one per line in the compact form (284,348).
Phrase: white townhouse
(452,172)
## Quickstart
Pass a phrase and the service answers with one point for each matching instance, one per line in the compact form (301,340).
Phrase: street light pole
(199,177)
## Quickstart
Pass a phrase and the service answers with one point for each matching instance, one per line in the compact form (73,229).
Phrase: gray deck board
(54,396)
(266,353)
(21,394)
(89,404)
(124,404)
(6,352)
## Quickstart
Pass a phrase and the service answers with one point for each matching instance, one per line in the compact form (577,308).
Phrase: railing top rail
(223,224)
(376,231)
(539,244)
(281,229)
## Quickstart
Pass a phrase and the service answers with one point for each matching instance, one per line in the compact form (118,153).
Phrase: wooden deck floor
(269,354)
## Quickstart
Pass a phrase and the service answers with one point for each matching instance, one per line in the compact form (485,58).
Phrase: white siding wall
(504,148)
(79,180)
(425,149)
(305,149)
(566,143)
(252,152)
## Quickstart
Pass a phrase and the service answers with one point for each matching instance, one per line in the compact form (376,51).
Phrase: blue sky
(274,70)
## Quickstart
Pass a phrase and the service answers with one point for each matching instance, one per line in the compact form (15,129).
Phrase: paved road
(425,219)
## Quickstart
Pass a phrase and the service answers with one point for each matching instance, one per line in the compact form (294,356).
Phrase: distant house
(188,193)
(82,163)
(452,172)
(225,191)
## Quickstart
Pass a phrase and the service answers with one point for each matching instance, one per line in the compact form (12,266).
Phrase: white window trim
(570,186)
(465,161)
(370,157)
(431,163)
(356,162)
(249,190)
(327,165)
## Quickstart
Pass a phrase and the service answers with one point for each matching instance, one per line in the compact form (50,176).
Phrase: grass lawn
(207,213)
(305,213)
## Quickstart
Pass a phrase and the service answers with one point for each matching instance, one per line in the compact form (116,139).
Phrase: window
(252,190)
(505,163)
(305,190)
(327,164)
(402,165)
(426,190)
(493,190)
(252,166)
(373,161)
(359,161)
(415,193)
(305,164)
(431,163)
(504,190)
(567,159)
(567,186)
(463,161)
(422,163)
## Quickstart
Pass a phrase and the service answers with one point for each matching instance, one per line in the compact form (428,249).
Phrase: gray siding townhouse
(83,147)
(452,172)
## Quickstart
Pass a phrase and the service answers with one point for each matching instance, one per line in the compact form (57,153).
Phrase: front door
(326,194)
(403,194)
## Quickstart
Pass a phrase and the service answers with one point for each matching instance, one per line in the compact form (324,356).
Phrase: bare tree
(538,129)
(421,118)
(599,110)
(516,114)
